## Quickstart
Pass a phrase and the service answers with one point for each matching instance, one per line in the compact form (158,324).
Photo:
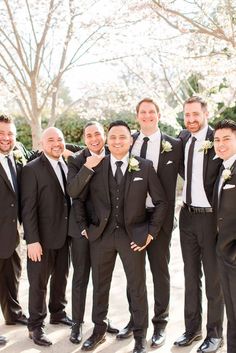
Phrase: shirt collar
(101,154)
(152,138)
(229,162)
(125,159)
(54,162)
(201,134)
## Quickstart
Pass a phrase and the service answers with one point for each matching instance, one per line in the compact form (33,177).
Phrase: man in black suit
(165,152)
(119,223)
(94,139)
(198,229)
(11,163)
(225,206)
(45,212)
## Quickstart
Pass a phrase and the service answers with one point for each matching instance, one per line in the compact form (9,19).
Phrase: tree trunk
(36,131)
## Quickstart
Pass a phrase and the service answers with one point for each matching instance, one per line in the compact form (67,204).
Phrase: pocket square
(169,162)
(228,186)
(137,179)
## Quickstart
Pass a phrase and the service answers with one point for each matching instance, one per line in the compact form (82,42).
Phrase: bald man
(45,210)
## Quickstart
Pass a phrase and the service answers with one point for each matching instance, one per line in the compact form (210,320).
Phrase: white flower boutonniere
(133,164)
(166,146)
(206,145)
(226,174)
(19,157)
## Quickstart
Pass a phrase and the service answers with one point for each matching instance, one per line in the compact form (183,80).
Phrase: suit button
(220,219)
(117,227)
(65,217)
(14,221)
(105,219)
(12,205)
(117,206)
(65,204)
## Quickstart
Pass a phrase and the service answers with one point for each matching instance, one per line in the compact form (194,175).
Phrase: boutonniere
(166,146)
(133,164)
(226,174)
(206,145)
(19,157)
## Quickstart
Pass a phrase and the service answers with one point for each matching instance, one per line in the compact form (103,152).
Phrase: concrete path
(18,341)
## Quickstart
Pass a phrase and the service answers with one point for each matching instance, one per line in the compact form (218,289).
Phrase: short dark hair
(196,99)
(226,124)
(6,119)
(147,100)
(119,123)
(91,123)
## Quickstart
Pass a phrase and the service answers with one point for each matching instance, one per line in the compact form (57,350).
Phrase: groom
(117,190)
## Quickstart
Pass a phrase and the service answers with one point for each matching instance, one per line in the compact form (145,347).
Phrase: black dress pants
(228,281)
(198,244)
(54,264)
(10,273)
(80,254)
(103,254)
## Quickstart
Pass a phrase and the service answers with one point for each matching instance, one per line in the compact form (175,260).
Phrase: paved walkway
(18,341)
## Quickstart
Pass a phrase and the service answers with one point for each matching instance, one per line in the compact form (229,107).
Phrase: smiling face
(225,143)
(119,141)
(195,117)
(7,137)
(94,138)
(148,118)
(53,143)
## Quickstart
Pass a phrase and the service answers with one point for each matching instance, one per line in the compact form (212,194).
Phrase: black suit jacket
(225,209)
(9,212)
(211,165)
(44,206)
(77,179)
(138,183)
(168,168)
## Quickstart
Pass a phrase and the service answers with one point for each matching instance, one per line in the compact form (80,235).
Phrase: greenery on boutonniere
(226,174)
(19,157)
(166,146)
(206,145)
(133,164)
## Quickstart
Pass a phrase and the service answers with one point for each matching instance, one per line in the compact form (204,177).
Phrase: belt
(193,209)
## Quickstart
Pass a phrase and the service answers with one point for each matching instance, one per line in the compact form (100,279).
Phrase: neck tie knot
(143,150)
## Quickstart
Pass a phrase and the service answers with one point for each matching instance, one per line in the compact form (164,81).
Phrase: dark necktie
(221,180)
(143,150)
(64,185)
(13,174)
(118,173)
(190,172)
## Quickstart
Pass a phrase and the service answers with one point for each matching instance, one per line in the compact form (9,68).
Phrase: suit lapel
(4,176)
(207,155)
(105,174)
(162,156)
(50,169)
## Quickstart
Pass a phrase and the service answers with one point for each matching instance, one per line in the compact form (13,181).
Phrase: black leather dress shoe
(76,333)
(39,337)
(210,345)
(64,320)
(111,329)
(187,338)
(140,345)
(158,338)
(126,332)
(22,319)
(93,341)
(3,340)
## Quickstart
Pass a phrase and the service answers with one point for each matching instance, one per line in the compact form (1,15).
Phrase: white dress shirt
(124,166)
(57,170)
(199,198)
(153,147)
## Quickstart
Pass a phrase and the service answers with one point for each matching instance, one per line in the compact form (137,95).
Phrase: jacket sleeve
(29,205)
